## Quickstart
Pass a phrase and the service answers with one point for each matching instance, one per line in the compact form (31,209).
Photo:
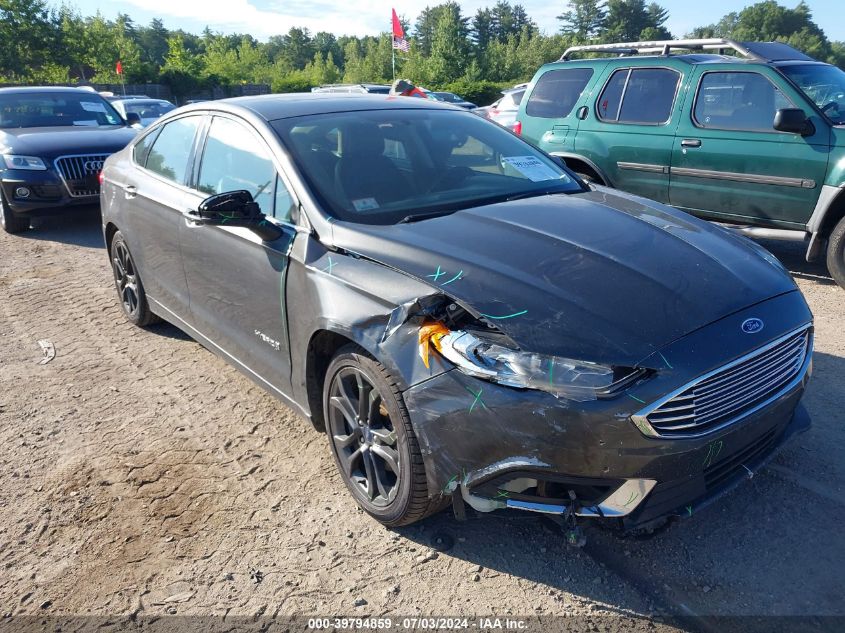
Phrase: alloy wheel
(364,437)
(125,278)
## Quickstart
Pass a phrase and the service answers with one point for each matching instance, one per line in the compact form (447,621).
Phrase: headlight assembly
(562,377)
(32,163)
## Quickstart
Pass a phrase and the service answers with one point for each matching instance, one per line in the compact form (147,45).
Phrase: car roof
(140,101)
(283,106)
(44,89)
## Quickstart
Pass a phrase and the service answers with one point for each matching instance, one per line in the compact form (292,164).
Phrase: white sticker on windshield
(531,167)
(91,106)
(365,204)
(86,123)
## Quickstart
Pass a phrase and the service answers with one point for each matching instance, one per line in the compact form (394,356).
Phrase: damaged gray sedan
(466,319)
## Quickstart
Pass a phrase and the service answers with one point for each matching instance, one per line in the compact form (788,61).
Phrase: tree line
(474,55)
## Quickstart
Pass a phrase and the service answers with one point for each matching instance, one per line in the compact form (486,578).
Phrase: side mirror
(133,118)
(237,208)
(793,120)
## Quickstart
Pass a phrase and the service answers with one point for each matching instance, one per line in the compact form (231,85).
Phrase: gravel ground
(140,475)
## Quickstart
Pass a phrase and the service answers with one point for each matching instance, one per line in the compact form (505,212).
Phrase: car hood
(56,141)
(598,276)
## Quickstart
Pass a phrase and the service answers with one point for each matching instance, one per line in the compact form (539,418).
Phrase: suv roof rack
(664,47)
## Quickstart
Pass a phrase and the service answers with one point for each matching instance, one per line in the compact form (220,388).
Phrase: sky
(263,18)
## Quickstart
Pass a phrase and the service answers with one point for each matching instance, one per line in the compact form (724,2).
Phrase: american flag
(399,41)
(401,44)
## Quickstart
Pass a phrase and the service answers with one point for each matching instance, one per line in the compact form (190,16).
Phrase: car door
(629,131)
(154,194)
(729,163)
(236,280)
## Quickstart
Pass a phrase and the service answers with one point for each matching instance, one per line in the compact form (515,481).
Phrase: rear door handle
(691,142)
(130,191)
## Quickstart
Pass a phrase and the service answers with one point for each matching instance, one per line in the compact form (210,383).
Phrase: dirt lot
(140,474)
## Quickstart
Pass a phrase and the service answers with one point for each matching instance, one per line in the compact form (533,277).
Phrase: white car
(148,109)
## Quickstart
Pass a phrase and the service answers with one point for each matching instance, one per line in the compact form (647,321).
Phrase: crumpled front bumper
(500,447)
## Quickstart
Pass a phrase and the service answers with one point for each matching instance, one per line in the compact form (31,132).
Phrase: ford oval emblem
(752,326)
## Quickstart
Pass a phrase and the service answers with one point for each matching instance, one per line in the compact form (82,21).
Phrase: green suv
(748,134)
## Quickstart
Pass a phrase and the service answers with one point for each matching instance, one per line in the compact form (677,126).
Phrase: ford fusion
(467,320)
(53,142)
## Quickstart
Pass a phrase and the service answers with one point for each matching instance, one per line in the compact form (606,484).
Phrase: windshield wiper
(417,217)
(535,193)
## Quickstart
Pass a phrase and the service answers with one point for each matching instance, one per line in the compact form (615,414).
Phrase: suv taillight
(100,178)
(516,128)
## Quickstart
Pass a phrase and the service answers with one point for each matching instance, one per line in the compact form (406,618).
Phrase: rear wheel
(372,440)
(836,253)
(130,290)
(10,222)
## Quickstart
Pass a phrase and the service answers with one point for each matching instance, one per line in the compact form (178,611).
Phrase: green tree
(427,24)
(327,45)
(153,41)
(632,20)
(179,58)
(297,48)
(27,35)
(584,19)
(481,30)
(769,21)
(448,48)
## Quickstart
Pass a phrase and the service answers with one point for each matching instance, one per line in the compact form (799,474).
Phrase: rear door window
(639,95)
(738,101)
(171,149)
(556,92)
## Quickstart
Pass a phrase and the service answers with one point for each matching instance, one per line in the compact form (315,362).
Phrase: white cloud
(242,16)
(357,17)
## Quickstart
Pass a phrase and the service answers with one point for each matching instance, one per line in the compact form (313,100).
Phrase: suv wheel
(372,440)
(130,290)
(836,253)
(10,222)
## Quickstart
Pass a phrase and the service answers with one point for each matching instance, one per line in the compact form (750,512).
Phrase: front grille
(80,173)
(719,398)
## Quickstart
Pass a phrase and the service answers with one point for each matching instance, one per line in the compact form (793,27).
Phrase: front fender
(365,302)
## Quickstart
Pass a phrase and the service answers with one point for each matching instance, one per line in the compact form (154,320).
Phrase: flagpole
(392,48)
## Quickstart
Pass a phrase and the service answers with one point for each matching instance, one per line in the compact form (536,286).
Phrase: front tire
(836,253)
(10,222)
(130,290)
(373,442)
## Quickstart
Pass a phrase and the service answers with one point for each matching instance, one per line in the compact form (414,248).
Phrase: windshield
(824,85)
(33,109)
(388,166)
(448,96)
(148,109)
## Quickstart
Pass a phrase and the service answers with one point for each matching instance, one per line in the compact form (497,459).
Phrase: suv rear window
(639,95)
(557,92)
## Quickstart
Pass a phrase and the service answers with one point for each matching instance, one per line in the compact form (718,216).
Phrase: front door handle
(691,142)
